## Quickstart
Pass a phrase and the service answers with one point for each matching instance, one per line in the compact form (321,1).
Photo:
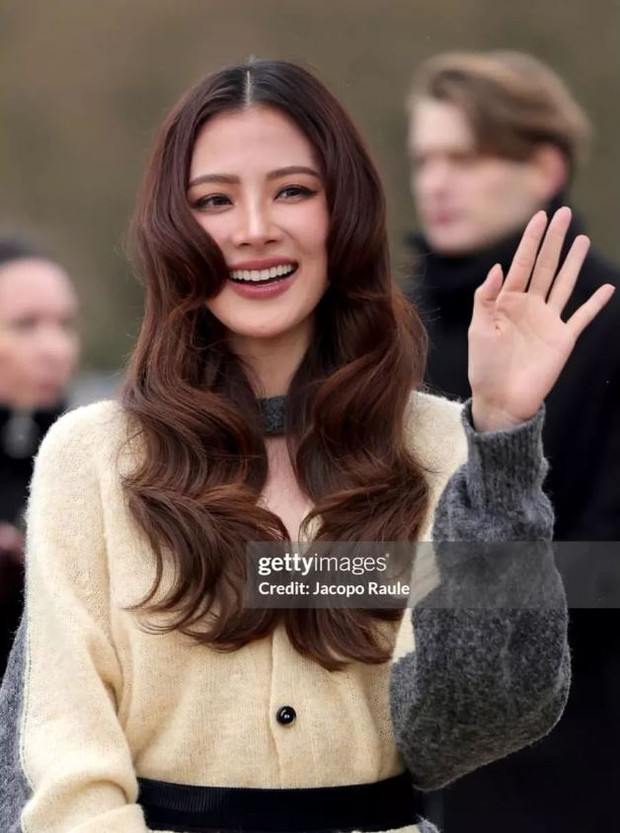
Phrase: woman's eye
(294,191)
(211,201)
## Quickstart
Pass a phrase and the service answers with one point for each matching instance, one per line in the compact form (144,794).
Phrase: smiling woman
(273,396)
(271,222)
(246,176)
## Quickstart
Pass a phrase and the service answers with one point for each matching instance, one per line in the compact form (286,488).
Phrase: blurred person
(273,395)
(38,355)
(492,138)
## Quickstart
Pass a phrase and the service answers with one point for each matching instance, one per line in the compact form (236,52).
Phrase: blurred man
(493,138)
(38,354)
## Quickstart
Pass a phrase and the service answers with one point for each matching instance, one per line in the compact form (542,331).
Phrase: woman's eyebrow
(293,169)
(232,179)
(228,179)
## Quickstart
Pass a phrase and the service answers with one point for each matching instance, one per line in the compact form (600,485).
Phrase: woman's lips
(270,288)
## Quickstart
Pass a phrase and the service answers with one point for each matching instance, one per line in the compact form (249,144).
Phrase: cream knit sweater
(91,701)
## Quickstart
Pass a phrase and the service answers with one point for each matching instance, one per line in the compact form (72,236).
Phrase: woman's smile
(263,278)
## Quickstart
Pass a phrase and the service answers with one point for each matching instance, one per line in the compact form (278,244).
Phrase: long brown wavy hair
(195,490)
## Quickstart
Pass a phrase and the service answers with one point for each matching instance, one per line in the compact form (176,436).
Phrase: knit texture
(492,669)
(91,701)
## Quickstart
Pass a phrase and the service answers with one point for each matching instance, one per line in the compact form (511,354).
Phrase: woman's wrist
(486,419)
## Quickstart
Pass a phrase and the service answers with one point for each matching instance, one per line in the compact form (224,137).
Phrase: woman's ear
(550,170)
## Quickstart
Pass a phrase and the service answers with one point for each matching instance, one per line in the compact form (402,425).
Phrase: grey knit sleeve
(14,789)
(491,669)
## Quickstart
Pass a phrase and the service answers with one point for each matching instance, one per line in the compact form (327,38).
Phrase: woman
(38,354)
(272,396)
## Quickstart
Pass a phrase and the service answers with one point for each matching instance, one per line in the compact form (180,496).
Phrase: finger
(525,256)
(565,282)
(490,288)
(587,312)
(549,254)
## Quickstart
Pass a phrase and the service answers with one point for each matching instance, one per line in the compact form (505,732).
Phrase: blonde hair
(513,102)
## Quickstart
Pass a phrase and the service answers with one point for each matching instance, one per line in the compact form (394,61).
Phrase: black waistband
(383,805)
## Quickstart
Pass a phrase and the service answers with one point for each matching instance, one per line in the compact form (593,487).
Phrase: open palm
(518,342)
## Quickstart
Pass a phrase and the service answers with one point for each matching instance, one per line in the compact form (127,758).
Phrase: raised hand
(518,342)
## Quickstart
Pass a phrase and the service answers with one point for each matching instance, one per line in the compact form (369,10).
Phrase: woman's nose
(256,227)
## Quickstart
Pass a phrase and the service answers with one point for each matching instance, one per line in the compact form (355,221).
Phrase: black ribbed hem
(384,805)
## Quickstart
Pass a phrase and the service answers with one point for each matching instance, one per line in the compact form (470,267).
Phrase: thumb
(490,288)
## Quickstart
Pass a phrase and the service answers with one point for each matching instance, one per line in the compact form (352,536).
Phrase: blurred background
(83,87)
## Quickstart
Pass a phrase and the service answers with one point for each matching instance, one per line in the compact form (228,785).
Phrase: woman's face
(256,188)
(38,342)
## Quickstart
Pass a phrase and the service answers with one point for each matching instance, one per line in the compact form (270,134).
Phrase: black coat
(19,440)
(569,780)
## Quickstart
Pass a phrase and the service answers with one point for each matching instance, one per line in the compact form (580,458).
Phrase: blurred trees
(84,85)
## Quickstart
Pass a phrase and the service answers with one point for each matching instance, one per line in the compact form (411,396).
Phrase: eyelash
(204,203)
(302,190)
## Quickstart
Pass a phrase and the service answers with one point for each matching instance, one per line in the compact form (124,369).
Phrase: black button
(286,715)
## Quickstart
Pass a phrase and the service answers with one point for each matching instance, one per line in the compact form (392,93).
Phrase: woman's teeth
(258,275)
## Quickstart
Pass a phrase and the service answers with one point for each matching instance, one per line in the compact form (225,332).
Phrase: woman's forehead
(255,138)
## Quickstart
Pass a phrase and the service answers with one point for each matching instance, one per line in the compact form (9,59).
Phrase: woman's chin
(290,338)
(261,335)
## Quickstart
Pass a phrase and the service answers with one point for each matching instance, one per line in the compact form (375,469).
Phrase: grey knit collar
(273,412)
